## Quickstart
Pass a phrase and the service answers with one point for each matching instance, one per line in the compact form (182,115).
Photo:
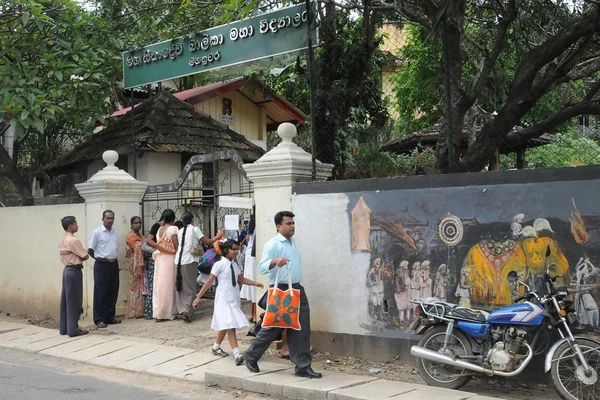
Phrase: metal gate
(205,182)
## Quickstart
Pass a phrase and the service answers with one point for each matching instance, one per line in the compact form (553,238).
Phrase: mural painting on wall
(460,260)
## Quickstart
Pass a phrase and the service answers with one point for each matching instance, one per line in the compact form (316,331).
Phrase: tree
(551,47)
(346,71)
(54,66)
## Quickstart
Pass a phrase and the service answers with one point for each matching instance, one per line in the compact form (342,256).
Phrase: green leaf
(25,18)
(59,75)
(272,308)
(287,300)
(39,124)
(287,319)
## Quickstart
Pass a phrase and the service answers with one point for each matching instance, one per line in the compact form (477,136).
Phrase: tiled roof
(277,108)
(429,137)
(163,124)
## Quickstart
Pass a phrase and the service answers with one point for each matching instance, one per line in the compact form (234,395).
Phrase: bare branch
(585,68)
(499,45)
(593,90)
(411,15)
(548,51)
(553,121)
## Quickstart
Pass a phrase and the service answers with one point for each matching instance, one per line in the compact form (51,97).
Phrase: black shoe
(308,373)
(79,332)
(113,321)
(101,325)
(220,352)
(252,366)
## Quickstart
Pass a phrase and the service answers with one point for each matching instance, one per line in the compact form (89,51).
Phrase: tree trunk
(454,98)
(521,158)
(9,169)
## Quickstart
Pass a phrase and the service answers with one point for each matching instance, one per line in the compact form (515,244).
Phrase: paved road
(26,376)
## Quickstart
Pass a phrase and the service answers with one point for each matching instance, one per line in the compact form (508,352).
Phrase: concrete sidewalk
(278,380)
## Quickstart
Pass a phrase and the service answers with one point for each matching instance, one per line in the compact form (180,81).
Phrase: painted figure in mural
(463,290)
(415,281)
(587,309)
(376,284)
(427,282)
(402,289)
(491,261)
(516,227)
(387,277)
(439,287)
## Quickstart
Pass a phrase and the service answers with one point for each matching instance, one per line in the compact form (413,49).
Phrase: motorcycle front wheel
(442,375)
(568,375)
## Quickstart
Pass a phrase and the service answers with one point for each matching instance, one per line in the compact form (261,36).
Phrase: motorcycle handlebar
(520,298)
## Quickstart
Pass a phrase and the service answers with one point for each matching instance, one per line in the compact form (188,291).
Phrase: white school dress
(227,313)
(249,292)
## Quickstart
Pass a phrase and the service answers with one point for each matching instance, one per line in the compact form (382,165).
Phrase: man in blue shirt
(279,252)
(103,246)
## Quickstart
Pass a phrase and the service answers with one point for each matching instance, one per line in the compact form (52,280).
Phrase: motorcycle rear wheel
(568,375)
(441,375)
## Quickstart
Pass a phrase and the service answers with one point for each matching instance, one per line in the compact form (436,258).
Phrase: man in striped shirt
(72,255)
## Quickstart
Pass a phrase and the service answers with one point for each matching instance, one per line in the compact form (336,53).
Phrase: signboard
(232,222)
(235,202)
(270,34)
(227,119)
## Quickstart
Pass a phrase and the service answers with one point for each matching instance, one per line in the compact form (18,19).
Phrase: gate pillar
(113,189)
(273,176)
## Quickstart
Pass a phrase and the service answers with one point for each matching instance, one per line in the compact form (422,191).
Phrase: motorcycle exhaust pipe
(420,352)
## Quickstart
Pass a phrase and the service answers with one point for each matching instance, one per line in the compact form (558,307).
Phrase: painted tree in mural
(520,53)
(55,69)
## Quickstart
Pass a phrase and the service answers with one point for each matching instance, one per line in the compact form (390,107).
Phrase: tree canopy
(54,66)
(524,62)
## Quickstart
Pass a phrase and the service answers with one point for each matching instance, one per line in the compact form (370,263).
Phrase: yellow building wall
(249,120)
(394,37)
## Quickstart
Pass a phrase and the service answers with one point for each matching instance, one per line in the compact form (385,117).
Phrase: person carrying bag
(287,304)
(283,306)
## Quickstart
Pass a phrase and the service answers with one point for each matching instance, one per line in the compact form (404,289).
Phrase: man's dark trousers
(298,341)
(106,290)
(71,299)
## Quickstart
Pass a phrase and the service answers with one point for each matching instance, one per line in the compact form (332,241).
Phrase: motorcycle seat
(457,312)
(470,314)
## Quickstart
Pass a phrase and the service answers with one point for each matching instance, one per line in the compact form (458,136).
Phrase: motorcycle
(458,342)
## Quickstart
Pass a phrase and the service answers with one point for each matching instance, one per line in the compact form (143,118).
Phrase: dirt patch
(44,322)
(198,335)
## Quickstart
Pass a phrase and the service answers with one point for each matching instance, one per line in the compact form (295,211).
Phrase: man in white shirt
(103,246)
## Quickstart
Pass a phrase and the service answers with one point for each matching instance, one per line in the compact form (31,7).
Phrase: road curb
(275,379)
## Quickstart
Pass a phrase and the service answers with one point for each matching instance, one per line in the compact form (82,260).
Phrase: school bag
(207,261)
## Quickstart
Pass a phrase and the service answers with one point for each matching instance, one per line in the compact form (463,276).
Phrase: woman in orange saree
(136,266)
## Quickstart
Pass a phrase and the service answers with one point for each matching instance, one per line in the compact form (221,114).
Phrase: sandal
(186,318)
(283,356)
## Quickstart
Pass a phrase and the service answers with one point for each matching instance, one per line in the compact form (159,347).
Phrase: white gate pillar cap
(112,183)
(286,161)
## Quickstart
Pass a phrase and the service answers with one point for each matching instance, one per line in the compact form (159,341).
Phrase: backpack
(206,262)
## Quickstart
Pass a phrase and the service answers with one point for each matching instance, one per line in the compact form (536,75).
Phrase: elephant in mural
(489,263)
